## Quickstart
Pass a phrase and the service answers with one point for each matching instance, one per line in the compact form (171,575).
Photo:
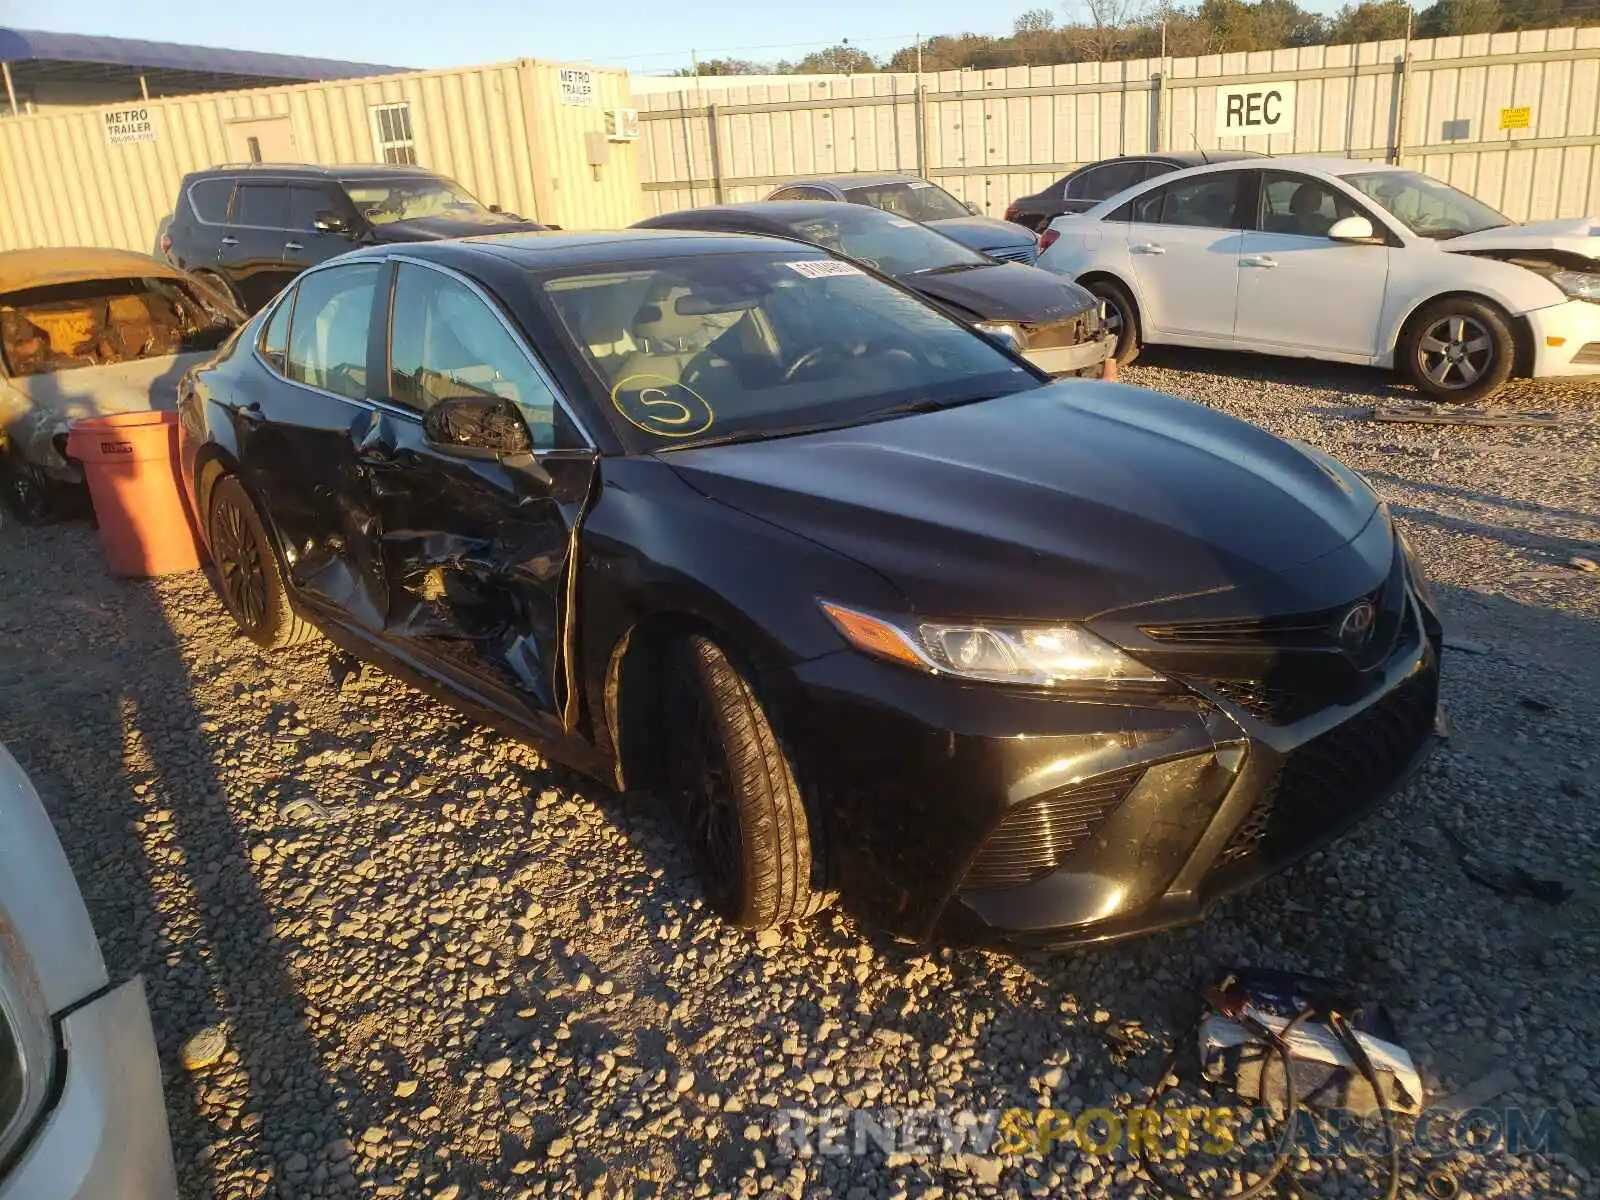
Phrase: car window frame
(1349,194)
(239,186)
(1139,166)
(380,288)
(1245,201)
(546,376)
(227,207)
(333,195)
(285,298)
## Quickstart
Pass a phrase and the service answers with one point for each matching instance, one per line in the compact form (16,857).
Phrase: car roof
(1325,164)
(23,269)
(543,251)
(321,170)
(851,181)
(1201,158)
(782,211)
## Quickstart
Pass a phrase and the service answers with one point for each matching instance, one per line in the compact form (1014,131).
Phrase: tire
(735,790)
(26,491)
(219,284)
(1122,316)
(247,575)
(1458,349)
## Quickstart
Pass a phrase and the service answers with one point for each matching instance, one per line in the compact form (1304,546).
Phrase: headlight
(994,652)
(27,1045)
(1008,333)
(1419,577)
(1580,285)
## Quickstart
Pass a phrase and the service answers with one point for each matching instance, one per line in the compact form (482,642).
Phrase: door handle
(293,246)
(1148,248)
(230,241)
(1258,260)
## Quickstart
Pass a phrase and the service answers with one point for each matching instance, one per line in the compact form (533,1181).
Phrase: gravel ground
(424,964)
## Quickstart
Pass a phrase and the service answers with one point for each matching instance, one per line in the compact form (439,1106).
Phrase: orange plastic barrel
(130,462)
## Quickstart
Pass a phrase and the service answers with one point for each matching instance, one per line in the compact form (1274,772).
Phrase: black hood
(1005,292)
(1063,502)
(986,234)
(432,229)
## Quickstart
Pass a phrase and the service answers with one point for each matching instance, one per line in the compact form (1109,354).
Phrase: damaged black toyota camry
(729,522)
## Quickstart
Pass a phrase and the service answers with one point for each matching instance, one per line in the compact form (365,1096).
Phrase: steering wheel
(809,360)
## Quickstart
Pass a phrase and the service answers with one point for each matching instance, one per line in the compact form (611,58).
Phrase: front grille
(1017,254)
(1274,705)
(1330,779)
(1313,630)
(1072,331)
(1035,838)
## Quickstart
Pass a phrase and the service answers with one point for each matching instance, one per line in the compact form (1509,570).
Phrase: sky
(644,38)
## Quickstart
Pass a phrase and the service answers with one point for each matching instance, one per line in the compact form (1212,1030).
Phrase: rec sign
(1255,109)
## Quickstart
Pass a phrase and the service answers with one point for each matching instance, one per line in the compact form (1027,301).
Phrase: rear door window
(262,206)
(328,331)
(1101,183)
(1209,201)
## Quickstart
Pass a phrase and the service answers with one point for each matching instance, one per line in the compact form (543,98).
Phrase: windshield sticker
(660,405)
(821,268)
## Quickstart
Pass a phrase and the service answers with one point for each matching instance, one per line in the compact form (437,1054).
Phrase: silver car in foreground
(81,1111)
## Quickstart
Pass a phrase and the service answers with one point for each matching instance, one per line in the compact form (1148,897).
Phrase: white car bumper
(106,1134)
(1058,360)
(1566,338)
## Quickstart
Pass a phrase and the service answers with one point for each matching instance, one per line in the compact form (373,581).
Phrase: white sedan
(1348,261)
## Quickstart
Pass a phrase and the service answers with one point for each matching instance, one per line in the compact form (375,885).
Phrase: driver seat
(667,341)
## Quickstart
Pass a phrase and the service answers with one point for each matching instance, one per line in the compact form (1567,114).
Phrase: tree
(726,66)
(1035,20)
(843,59)
(1109,22)
(1449,18)
(1370,21)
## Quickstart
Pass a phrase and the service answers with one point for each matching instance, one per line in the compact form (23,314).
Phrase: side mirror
(328,221)
(1357,230)
(972,207)
(477,427)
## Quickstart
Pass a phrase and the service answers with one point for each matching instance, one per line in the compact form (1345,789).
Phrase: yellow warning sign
(1516,118)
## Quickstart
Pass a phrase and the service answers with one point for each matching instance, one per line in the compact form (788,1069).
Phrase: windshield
(99,322)
(883,241)
(384,200)
(917,199)
(689,350)
(1424,205)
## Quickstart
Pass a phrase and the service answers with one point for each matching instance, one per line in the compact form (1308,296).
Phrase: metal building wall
(500,130)
(990,136)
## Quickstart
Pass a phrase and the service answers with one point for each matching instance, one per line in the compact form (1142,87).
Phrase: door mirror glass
(328,221)
(1352,229)
(486,424)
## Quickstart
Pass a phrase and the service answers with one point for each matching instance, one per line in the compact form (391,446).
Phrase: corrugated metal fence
(513,134)
(990,136)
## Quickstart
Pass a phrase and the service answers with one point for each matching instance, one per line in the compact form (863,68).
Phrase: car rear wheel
(247,573)
(736,792)
(26,491)
(1457,349)
(1122,318)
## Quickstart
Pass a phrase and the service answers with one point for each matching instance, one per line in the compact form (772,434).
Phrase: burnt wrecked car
(882,610)
(89,333)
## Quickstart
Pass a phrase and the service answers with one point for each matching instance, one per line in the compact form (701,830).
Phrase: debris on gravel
(392,953)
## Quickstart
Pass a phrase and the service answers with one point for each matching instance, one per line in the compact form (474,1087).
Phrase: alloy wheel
(241,572)
(1454,352)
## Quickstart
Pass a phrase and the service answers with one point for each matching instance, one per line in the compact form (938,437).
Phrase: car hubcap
(1454,352)
(1114,322)
(239,566)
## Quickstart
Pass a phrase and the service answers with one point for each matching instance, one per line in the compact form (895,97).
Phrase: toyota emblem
(1356,626)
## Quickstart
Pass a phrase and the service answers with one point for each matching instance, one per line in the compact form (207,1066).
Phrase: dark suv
(251,228)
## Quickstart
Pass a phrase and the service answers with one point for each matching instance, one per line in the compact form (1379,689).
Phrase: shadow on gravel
(1264,368)
(95,702)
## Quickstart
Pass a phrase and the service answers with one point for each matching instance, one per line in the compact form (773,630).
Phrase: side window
(328,331)
(209,197)
(1207,202)
(306,201)
(1101,183)
(275,337)
(445,341)
(1295,204)
(788,193)
(264,205)
(1155,170)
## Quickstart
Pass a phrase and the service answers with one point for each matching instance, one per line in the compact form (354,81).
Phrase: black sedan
(922,201)
(1053,322)
(1082,189)
(883,611)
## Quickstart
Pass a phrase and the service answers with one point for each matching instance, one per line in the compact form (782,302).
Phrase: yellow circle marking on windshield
(662,406)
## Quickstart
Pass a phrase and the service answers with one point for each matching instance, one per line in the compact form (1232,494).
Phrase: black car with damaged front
(1054,323)
(884,613)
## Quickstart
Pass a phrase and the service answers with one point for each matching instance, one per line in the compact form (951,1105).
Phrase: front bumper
(106,1134)
(1061,360)
(980,813)
(1566,339)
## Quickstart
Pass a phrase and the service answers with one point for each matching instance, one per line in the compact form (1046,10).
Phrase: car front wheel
(1457,349)
(736,792)
(247,573)
(1122,318)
